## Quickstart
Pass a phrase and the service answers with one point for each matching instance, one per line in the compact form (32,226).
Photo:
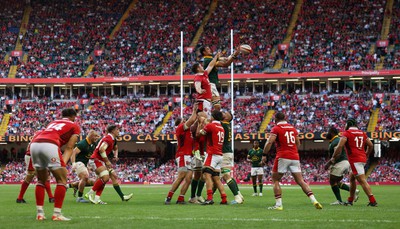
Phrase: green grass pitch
(147,210)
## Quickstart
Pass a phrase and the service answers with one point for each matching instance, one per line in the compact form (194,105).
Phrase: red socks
(59,195)
(24,187)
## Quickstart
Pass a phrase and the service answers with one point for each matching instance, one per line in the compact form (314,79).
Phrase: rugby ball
(245,49)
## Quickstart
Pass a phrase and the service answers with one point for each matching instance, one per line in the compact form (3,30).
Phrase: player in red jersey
(30,173)
(354,141)
(197,185)
(46,154)
(183,157)
(203,86)
(287,159)
(100,163)
(212,164)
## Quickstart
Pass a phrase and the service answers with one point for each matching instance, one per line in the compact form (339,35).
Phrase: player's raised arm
(192,118)
(227,61)
(212,63)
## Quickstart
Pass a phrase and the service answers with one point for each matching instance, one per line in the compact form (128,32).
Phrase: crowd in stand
(62,35)
(392,58)
(336,36)
(10,22)
(148,170)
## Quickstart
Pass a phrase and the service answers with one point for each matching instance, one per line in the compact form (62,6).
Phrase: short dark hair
(178,121)
(68,112)
(217,115)
(332,132)
(279,116)
(194,67)
(202,49)
(351,122)
(111,128)
(230,115)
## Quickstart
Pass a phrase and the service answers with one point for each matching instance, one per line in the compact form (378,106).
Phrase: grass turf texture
(147,210)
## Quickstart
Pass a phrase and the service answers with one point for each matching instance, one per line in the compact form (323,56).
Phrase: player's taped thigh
(104,173)
(216,102)
(225,171)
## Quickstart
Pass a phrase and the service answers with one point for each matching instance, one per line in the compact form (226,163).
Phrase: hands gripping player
(337,169)
(354,140)
(255,156)
(30,173)
(46,154)
(183,157)
(287,159)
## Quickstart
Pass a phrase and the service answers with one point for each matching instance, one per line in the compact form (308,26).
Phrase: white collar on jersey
(353,128)
(215,121)
(111,136)
(281,122)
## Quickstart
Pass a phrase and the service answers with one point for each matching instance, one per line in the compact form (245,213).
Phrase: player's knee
(104,173)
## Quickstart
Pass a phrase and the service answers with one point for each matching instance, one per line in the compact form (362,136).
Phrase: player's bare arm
(69,148)
(268,145)
(338,149)
(197,86)
(213,62)
(115,151)
(370,147)
(192,118)
(225,62)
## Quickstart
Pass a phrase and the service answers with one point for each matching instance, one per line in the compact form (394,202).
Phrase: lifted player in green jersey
(257,171)
(206,52)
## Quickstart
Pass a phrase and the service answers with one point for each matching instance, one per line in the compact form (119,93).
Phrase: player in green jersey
(255,156)
(337,169)
(206,52)
(227,159)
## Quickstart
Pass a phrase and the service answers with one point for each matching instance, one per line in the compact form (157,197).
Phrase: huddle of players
(208,131)
(45,156)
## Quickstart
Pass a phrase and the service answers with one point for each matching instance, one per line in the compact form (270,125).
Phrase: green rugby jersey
(227,146)
(86,150)
(213,75)
(333,143)
(255,157)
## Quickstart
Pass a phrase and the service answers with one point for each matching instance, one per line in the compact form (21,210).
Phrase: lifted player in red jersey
(46,154)
(354,141)
(287,159)
(203,86)
(183,157)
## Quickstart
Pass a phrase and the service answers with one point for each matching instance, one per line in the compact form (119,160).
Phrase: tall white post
(232,101)
(181,73)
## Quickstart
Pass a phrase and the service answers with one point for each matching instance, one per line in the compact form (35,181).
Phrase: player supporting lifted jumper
(227,159)
(287,159)
(212,164)
(255,156)
(206,52)
(355,141)
(337,169)
(183,157)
